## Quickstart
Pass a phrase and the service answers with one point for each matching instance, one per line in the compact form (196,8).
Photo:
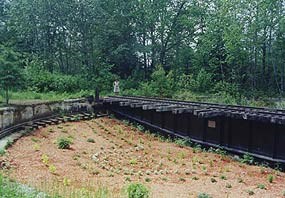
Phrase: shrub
(137,191)
(64,143)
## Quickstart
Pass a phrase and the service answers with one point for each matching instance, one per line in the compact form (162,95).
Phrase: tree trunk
(7,96)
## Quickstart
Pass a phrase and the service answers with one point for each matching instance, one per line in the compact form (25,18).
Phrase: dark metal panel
(263,138)
(183,123)
(280,142)
(146,116)
(169,121)
(196,128)
(238,134)
(158,118)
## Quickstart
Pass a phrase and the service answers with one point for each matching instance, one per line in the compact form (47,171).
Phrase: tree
(11,75)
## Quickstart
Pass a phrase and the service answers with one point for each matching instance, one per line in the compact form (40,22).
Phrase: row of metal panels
(249,136)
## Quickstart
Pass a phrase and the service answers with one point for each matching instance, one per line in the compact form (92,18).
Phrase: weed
(35,139)
(181,155)
(250,192)
(261,186)
(197,148)
(128,179)
(247,159)
(133,161)
(223,177)
(240,180)
(221,152)
(270,178)
(213,180)
(63,143)
(66,182)
(204,195)
(137,191)
(126,122)
(182,142)
(2,152)
(52,169)
(228,186)
(182,179)
(36,147)
(147,179)
(195,178)
(45,159)
(140,128)
(8,144)
(90,140)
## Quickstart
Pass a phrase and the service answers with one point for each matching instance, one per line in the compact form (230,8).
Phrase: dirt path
(121,154)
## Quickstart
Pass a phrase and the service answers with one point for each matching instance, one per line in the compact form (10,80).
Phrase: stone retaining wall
(10,116)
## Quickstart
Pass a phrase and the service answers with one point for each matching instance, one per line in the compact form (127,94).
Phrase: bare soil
(122,154)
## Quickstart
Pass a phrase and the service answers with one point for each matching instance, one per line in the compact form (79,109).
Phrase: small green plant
(36,147)
(2,152)
(137,191)
(261,186)
(213,180)
(223,177)
(147,179)
(128,179)
(182,142)
(182,179)
(240,180)
(204,195)
(66,182)
(45,159)
(140,128)
(250,192)
(247,159)
(35,139)
(270,178)
(228,186)
(8,144)
(90,140)
(52,169)
(63,143)
(195,178)
(133,161)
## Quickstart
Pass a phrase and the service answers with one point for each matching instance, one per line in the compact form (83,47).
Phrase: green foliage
(11,73)
(270,178)
(247,158)
(202,83)
(137,190)
(204,195)
(161,84)
(44,81)
(64,143)
(12,190)
(182,142)
(91,140)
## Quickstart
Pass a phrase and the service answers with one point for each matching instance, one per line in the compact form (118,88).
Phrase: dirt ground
(121,154)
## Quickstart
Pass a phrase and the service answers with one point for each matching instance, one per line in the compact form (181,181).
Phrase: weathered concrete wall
(10,116)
